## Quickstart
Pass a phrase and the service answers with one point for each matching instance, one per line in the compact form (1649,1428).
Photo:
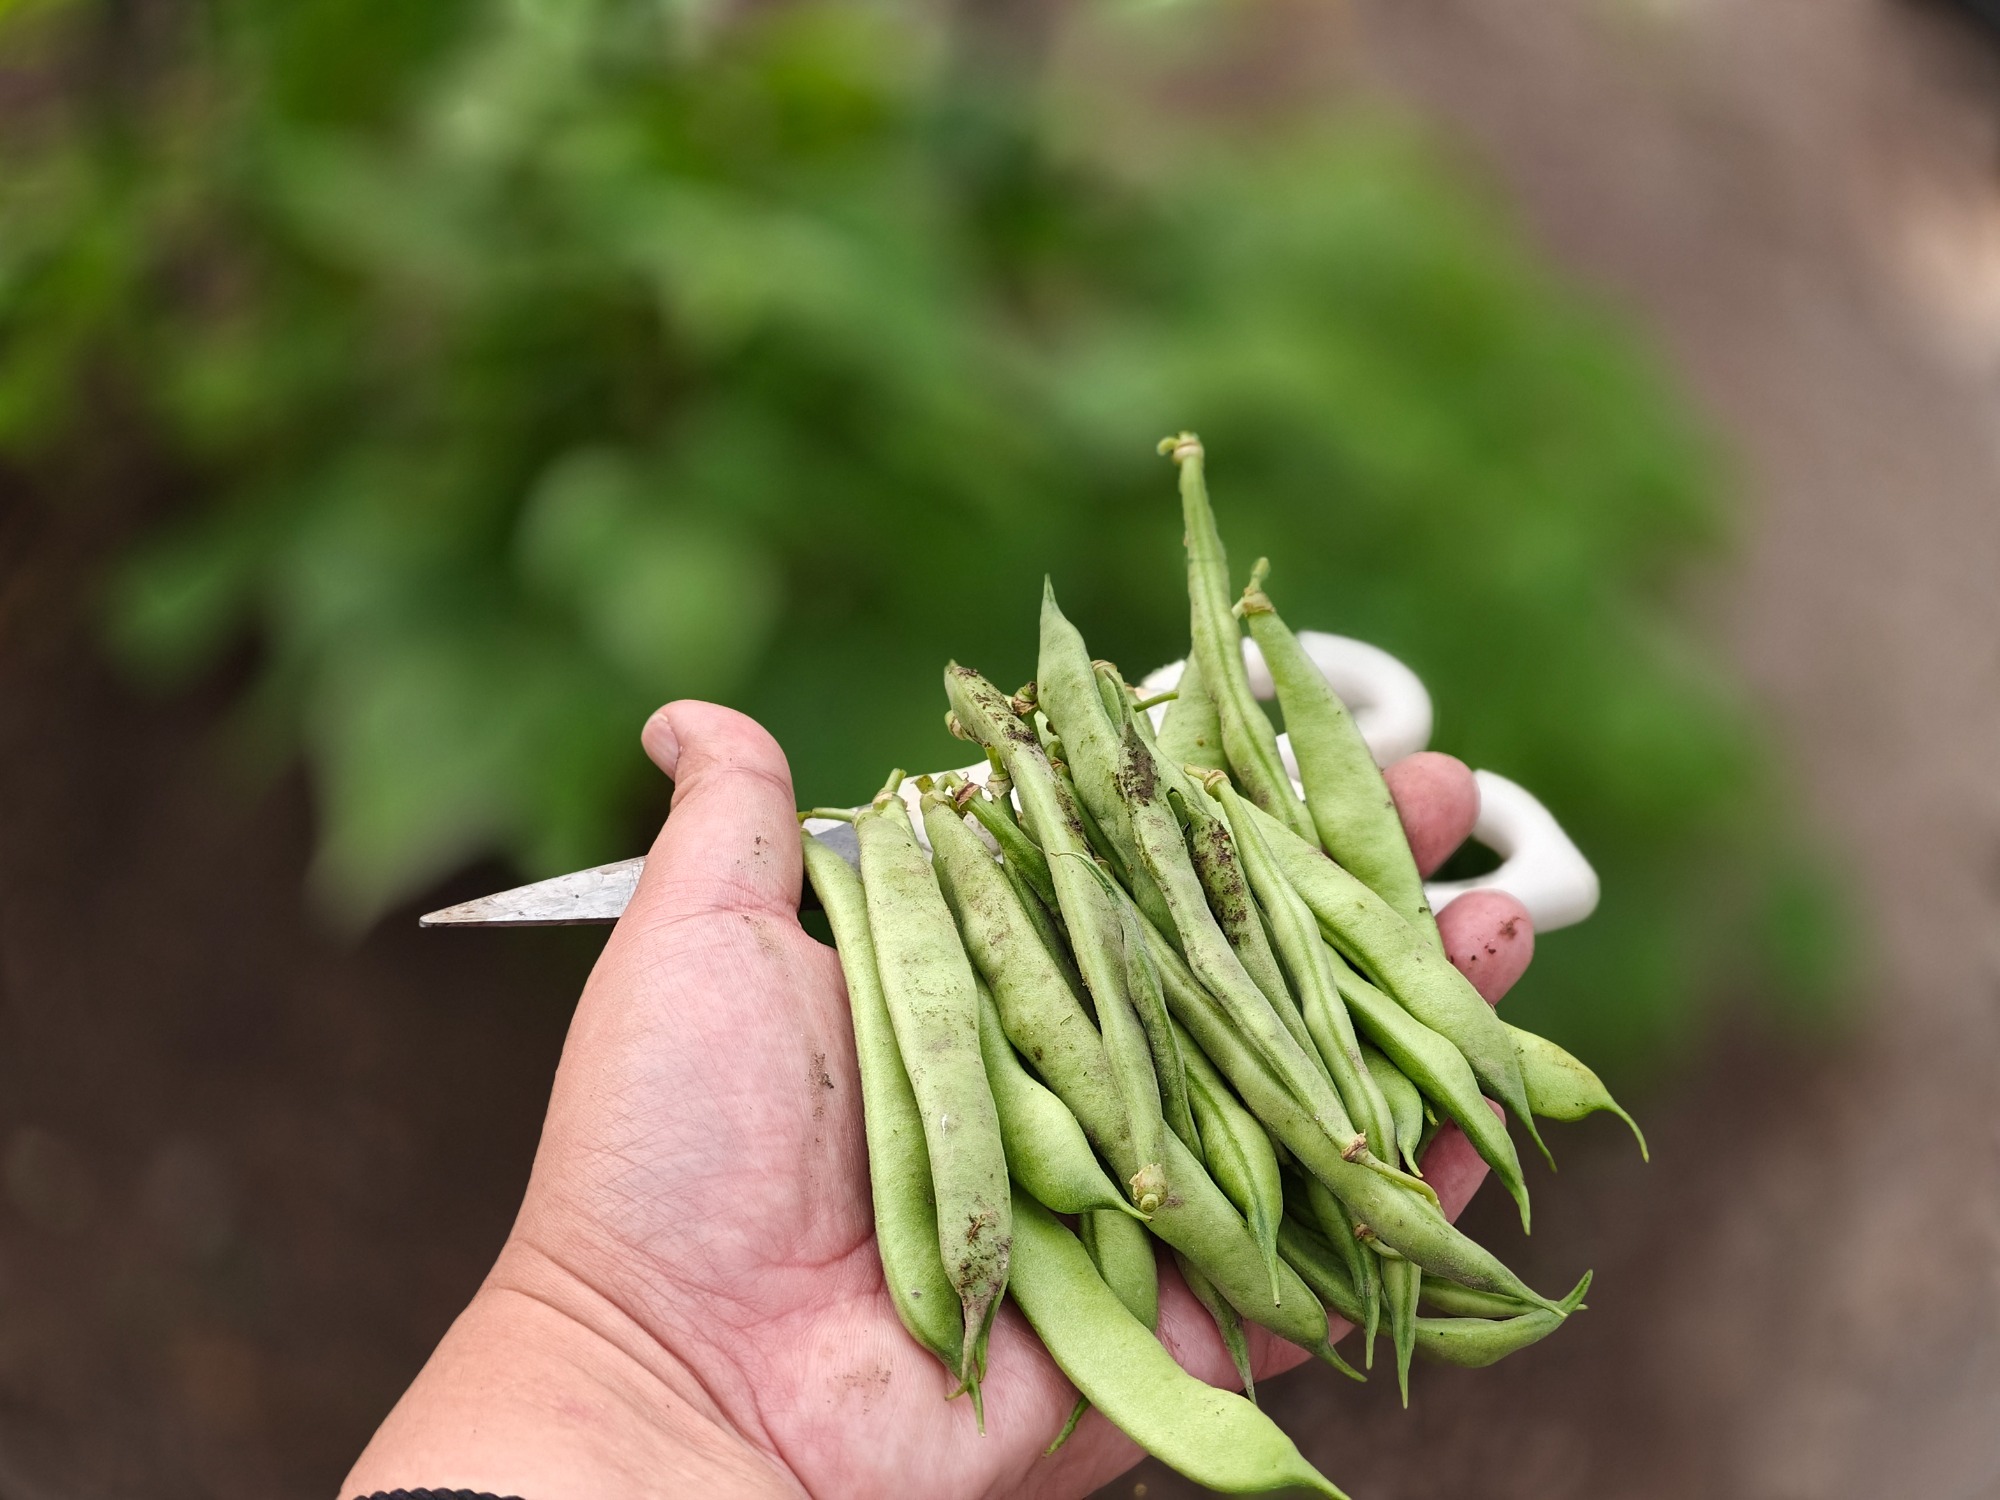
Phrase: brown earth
(246,1183)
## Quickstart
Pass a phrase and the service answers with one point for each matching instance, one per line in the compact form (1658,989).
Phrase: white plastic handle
(1540,866)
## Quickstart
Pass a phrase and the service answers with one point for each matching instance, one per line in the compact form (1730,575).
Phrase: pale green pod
(1561,1088)
(1191,732)
(1214,1437)
(1346,797)
(1248,739)
(1474,1343)
(1228,1323)
(1406,1103)
(899,1168)
(1401,1281)
(933,1003)
(1240,1159)
(1123,1254)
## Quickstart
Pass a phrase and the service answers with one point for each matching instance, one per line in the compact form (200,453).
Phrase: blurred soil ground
(250,1170)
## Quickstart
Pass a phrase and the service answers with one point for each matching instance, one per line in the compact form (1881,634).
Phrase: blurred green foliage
(537,361)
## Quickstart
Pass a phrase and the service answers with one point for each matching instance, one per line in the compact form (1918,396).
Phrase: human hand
(691,1294)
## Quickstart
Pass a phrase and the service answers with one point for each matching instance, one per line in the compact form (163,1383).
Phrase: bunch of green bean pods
(1145,983)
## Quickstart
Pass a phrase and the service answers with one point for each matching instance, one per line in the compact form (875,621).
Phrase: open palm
(700,1204)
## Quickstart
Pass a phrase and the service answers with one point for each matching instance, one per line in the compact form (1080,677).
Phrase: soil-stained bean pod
(1406,1103)
(1310,964)
(1234,905)
(1400,1282)
(1248,739)
(899,1168)
(1068,696)
(1404,963)
(1438,1069)
(1561,1088)
(1228,1323)
(1191,733)
(1214,1437)
(1046,1149)
(1123,1253)
(1137,1080)
(1046,1021)
(933,1003)
(1346,797)
(1473,1343)
(1240,1158)
(1016,847)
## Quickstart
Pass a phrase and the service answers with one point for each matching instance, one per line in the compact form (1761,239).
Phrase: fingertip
(1490,939)
(1438,801)
(661,743)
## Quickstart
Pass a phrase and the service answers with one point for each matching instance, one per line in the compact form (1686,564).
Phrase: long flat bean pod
(1214,1437)
(1401,1281)
(899,1168)
(1349,802)
(934,1005)
(1123,1254)
(1248,739)
(1366,931)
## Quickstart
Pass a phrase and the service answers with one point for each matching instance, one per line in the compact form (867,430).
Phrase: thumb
(731,839)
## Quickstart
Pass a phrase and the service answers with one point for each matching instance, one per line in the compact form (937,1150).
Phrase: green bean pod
(1228,1322)
(1363,1268)
(899,1168)
(1401,1281)
(1123,1254)
(1440,1070)
(1561,1088)
(1367,932)
(1406,1103)
(933,1003)
(1248,739)
(1456,1301)
(1047,1151)
(1191,732)
(1231,900)
(1474,1343)
(1349,802)
(1239,1157)
(1137,1080)
(1214,1437)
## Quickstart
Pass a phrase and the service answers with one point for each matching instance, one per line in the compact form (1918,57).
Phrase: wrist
(541,1390)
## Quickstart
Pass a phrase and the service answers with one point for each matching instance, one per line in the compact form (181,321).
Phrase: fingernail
(663,746)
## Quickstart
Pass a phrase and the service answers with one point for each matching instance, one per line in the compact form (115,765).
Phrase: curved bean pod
(1349,802)
(1456,1301)
(934,1006)
(1473,1343)
(1401,1281)
(1406,1103)
(1248,739)
(1561,1088)
(1367,932)
(899,1168)
(1214,1437)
